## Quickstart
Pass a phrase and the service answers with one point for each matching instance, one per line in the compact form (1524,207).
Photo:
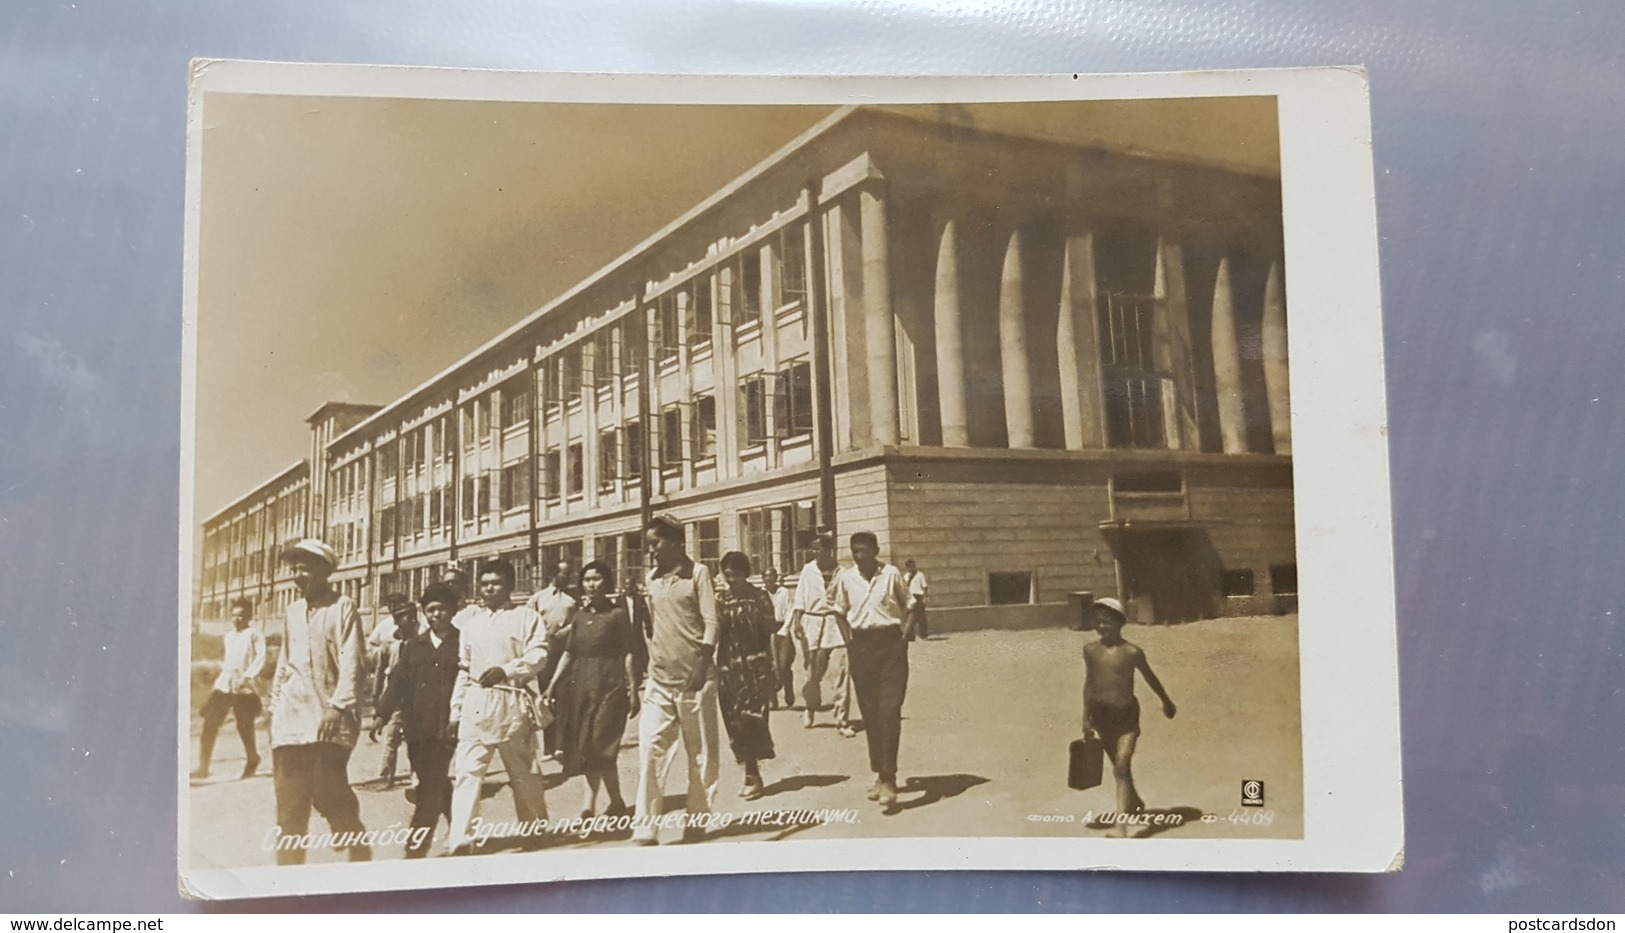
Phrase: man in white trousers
(680,694)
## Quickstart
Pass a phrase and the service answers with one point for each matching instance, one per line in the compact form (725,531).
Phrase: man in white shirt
(680,694)
(784,647)
(313,704)
(813,625)
(917,586)
(234,691)
(869,600)
(502,647)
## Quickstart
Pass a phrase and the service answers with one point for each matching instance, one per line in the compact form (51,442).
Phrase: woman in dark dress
(592,689)
(745,675)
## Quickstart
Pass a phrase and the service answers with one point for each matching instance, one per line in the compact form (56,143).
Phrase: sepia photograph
(805,475)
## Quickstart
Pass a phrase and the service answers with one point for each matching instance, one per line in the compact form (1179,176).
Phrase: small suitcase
(1085,763)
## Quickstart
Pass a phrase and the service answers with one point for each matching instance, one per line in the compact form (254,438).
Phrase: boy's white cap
(1109,602)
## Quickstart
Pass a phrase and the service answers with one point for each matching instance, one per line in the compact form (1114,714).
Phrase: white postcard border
(1353,814)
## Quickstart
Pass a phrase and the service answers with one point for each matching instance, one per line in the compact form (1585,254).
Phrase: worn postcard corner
(586,477)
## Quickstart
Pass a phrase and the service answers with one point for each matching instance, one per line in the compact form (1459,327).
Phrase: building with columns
(1034,368)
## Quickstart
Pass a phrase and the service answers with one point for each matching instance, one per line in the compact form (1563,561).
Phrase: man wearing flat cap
(313,704)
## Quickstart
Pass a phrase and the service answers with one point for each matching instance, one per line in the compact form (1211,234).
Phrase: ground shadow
(797,782)
(931,789)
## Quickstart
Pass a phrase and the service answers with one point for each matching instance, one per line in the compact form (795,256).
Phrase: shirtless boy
(1110,709)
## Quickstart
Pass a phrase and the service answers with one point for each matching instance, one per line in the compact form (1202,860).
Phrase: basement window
(1010,589)
(1238,583)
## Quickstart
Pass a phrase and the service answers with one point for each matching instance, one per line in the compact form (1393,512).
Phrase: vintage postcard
(592,476)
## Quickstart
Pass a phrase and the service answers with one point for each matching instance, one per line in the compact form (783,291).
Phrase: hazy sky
(351,248)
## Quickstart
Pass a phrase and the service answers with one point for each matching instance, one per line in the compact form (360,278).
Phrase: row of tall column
(1077,341)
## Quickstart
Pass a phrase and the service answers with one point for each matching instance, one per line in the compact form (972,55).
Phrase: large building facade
(1032,368)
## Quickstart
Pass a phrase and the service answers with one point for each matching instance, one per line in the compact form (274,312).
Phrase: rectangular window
(388,460)
(667,321)
(1284,579)
(552,379)
(577,470)
(794,414)
(791,258)
(609,461)
(386,525)
(632,439)
(1010,588)
(1237,582)
(482,418)
(699,313)
(633,340)
(708,542)
(753,402)
(1133,385)
(571,373)
(603,358)
(515,482)
(671,437)
(469,484)
(750,285)
(482,494)
(554,478)
(515,403)
(705,427)
(437,509)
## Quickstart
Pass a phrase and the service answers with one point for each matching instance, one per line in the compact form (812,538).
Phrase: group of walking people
(560,676)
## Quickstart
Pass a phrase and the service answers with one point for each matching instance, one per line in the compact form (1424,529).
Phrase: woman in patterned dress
(592,689)
(745,676)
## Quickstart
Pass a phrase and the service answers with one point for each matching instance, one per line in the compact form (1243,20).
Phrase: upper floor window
(790,266)
(632,442)
(577,470)
(516,400)
(515,485)
(749,279)
(705,427)
(609,463)
(699,316)
(1134,387)
(552,379)
(671,436)
(668,320)
(634,339)
(785,395)
(603,358)
(552,478)
(571,372)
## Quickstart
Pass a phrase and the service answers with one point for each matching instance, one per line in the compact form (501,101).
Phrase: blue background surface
(1499,134)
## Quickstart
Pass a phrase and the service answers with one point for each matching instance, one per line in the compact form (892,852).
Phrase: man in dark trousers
(234,691)
(419,692)
(869,600)
(313,704)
